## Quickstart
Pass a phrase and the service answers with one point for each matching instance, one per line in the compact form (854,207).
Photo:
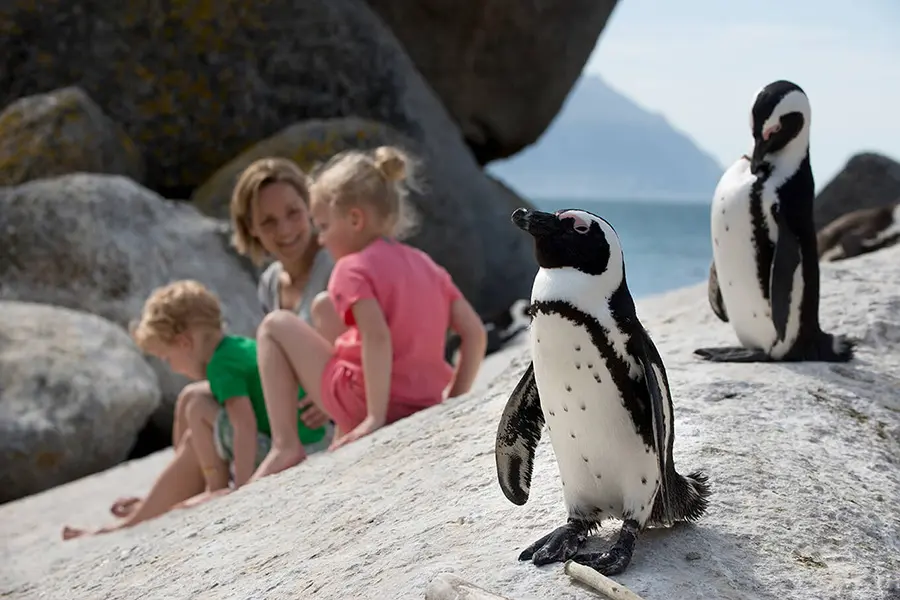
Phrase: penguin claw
(735,354)
(612,562)
(616,559)
(559,545)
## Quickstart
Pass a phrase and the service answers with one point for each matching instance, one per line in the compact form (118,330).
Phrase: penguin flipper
(781,279)
(517,438)
(715,294)
(657,389)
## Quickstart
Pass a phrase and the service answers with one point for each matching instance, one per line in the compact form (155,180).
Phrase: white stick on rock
(448,586)
(599,582)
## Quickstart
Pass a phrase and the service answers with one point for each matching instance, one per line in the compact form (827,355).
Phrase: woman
(270,218)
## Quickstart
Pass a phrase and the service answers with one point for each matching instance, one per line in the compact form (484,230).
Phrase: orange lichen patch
(307,143)
(62,132)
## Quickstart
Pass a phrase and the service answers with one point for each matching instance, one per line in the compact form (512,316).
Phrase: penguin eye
(581,228)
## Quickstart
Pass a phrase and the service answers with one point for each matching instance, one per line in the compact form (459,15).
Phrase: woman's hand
(368,425)
(313,417)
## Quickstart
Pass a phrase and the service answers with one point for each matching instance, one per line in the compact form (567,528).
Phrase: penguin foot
(831,348)
(735,354)
(559,545)
(616,559)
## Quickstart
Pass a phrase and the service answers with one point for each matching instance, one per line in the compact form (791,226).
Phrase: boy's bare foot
(278,460)
(123,507)
(69,533)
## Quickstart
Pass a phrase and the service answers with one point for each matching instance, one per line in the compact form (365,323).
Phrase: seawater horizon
(666,242)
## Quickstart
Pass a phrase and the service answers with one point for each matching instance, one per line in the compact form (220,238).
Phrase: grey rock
(74,393)
(63,131)
(868,180)
(194,88)
(423,496)
(501,86)
(102,243)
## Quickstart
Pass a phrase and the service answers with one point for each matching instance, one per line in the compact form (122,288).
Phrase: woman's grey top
(268,293)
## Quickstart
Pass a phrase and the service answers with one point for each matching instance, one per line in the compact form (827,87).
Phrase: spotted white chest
(605,468)
(735,256)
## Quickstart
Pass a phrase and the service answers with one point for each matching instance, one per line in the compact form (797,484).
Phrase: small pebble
(692,556)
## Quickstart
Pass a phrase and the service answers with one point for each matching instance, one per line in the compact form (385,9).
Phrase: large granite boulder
(868,180)
(62,132)
(74,393)
(503,69)
(102,243)
(196,83)
(451,230)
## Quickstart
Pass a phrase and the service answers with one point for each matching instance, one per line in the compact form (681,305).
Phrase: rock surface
(482,60)
(802,460)
(452,229)
(868,180)
(74,393)
(104,244)
(62,132)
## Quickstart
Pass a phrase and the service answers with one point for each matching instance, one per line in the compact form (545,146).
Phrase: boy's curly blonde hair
(256,176)
(379,180)
(173,309)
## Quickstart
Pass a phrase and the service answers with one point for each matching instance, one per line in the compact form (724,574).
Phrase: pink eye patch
(581,224)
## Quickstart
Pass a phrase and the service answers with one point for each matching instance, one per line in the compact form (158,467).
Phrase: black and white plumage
(599,384)
(764,279)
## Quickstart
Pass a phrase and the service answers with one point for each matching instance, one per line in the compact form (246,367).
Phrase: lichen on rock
(59,132)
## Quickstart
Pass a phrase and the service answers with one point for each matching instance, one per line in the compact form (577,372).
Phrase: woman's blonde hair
(380,180)
(174,309)
(255,177)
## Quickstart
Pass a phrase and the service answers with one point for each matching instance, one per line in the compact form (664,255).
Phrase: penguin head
(570,238)
(779,121)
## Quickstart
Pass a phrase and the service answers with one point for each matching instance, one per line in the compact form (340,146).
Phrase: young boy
(182,325)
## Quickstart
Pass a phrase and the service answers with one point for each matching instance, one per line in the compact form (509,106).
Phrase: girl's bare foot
(124,506)
(278,460)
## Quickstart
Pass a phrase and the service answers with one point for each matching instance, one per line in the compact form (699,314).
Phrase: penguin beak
(535,222)
(760,149)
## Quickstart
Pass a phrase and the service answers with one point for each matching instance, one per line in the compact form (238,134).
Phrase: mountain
(603,145)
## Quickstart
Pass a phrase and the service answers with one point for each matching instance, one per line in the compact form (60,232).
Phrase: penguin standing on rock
(764,279)
(597,381)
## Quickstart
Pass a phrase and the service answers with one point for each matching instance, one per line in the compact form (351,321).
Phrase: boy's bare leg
(126,505)
(290,353)
(201,416)
(180,480)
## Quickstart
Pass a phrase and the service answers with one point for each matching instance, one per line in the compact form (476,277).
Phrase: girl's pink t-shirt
(416,295)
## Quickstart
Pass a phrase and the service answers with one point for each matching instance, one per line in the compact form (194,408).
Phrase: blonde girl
(376,354)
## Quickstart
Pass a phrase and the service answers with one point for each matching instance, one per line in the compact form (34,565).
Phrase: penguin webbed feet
(559,545)
(618,557)
(734,354)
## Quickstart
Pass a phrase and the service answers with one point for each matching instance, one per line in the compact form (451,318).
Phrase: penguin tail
(691,495)
(836,348)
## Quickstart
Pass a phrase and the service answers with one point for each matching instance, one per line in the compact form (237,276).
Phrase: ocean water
(666,243)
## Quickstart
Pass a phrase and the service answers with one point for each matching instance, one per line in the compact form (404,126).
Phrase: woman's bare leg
(290,353)
(180,480)
(196,390)
(325,317)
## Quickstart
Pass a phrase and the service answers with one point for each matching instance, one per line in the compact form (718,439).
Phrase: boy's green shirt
(233,371)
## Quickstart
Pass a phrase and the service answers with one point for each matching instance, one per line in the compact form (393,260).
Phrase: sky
(700,62)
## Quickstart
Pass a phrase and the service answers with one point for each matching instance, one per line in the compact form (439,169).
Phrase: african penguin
(764,277)
(860,232)
(599,383)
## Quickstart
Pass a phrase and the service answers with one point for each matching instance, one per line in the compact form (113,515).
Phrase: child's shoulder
(234,349)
